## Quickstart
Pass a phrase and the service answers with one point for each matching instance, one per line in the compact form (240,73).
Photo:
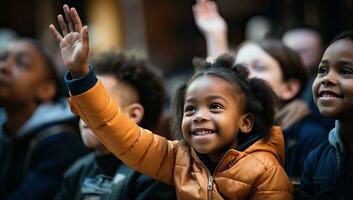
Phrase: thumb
(85,39)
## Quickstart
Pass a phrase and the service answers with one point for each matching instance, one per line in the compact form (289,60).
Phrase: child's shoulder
(264,159)
(321,154)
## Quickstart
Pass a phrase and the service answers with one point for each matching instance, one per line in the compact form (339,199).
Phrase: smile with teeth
(203,132)
(329,94)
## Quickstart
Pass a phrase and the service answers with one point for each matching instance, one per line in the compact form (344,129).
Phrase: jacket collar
(336,139)
(274,144)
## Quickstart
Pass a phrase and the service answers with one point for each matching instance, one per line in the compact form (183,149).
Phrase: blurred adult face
(261,65)
(307,44)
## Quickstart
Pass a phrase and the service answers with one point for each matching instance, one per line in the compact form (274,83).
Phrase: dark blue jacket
(301,138)
(34,158)
(328,171)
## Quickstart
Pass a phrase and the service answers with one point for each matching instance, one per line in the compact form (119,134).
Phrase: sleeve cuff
(82,84)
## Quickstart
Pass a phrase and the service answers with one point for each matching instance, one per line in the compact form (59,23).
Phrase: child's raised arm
(73,42)
(147,153)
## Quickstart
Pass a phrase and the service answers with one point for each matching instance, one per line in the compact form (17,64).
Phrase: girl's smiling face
(333,86)
(213,114)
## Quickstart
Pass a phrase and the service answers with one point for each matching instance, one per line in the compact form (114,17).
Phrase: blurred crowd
(47,151)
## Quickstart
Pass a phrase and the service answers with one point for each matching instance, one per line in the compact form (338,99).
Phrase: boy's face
(212,115)
(22,71)
(333,86)
(122,94)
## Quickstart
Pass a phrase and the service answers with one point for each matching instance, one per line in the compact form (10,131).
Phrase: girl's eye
(346,71)
(216,106)
(322,70)
(189,110)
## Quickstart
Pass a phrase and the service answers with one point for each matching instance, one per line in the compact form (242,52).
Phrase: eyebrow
(211,97)
(342,61)
(22,53)
(324,61)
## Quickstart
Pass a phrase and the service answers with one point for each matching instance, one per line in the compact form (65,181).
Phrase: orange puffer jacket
(255,173)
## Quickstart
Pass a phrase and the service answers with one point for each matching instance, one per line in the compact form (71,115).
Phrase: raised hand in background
(212,26)
(73,42)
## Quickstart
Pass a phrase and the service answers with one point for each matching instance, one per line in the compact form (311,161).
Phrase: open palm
(207,17)
(73,42)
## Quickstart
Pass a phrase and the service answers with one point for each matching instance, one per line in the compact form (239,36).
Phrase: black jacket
(107,178)
(34,158)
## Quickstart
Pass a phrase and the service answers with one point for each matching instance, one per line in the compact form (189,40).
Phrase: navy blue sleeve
(306,182)
(82,84)
(50,159)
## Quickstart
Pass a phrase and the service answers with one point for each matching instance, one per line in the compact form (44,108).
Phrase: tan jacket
(255,173)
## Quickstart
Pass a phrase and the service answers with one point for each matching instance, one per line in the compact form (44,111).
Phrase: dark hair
(259,96)
(51,68)
(343,35)
(134,70)
(289,61)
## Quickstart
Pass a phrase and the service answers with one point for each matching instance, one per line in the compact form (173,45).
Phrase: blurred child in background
(39,136)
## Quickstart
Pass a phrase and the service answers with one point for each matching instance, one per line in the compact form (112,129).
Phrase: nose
(330,79)
(200,116)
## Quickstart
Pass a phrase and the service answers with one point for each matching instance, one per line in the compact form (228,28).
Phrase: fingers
(201,7)
(55,33)
(73,24)
(68,17)
(85,39)
(63,25)
(76,20)
(212,8)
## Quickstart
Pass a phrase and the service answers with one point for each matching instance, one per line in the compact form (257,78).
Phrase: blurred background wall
(165,29)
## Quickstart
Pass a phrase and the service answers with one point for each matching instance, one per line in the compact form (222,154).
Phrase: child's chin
(202,150)
(328,113)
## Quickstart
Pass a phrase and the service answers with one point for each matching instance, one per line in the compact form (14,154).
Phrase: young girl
(328,170)
(230,149)
(281,67)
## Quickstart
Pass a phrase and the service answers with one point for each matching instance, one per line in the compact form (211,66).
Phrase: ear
(246,123)
(290,89)
(46,91)
(135,111)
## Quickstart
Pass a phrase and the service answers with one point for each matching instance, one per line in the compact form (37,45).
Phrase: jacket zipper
(211,177)
(210,187)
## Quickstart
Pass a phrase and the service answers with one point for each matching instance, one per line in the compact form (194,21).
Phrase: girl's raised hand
(73,42)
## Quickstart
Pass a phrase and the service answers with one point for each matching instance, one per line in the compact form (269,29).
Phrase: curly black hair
(348,34)
(135,70)
(260,98)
